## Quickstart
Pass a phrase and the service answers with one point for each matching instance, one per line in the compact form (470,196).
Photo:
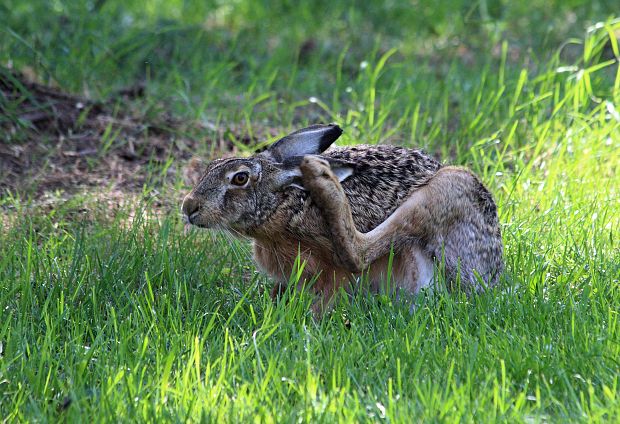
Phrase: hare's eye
(240,178)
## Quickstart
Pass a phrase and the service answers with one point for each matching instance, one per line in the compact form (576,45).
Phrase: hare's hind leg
(353,250)
(327,193)
(452,216)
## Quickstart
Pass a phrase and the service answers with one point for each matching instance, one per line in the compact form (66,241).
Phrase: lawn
(109,312)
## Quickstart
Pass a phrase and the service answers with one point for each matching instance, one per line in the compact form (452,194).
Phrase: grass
(114,314)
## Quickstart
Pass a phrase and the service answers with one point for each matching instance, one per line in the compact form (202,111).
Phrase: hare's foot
(353,250)
(326,191)
(323,185)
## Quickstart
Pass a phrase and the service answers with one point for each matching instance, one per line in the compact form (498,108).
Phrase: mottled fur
(344,210)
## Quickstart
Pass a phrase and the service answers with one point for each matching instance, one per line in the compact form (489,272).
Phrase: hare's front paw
(322,184)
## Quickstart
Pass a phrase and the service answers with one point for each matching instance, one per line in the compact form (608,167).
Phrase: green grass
(110,315)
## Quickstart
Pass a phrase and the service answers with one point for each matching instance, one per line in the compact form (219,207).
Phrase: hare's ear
(289,174)
(341,169)
(307,141)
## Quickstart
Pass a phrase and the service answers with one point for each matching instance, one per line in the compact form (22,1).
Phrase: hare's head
(239,193)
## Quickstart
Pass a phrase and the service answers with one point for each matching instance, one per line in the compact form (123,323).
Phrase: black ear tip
(331,128)
(311,140)
(332,132)
(335,128)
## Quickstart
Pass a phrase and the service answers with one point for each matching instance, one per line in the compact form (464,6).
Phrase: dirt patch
(55,141)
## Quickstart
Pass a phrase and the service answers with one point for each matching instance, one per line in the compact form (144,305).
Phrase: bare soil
(51,141)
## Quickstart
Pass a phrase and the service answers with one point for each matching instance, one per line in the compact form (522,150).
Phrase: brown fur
(396,199)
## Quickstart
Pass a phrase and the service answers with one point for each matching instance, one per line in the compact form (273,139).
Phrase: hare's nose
(190,206)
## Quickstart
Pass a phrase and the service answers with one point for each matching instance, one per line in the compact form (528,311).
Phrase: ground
(109,110)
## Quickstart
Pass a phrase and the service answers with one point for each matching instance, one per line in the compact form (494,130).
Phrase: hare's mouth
(198,220)
(194,219)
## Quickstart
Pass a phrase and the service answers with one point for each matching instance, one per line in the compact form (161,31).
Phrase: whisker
(238,248)
(231,241)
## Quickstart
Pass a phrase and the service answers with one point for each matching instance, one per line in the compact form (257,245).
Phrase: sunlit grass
(117,315)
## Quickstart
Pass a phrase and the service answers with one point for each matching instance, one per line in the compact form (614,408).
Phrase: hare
(353,211)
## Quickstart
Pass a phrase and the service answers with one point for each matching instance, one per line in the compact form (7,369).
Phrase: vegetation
(109,312)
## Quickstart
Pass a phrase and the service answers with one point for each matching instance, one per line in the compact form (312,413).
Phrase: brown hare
(349,211)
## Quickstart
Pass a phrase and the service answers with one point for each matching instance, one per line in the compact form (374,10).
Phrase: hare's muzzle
(190,207)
